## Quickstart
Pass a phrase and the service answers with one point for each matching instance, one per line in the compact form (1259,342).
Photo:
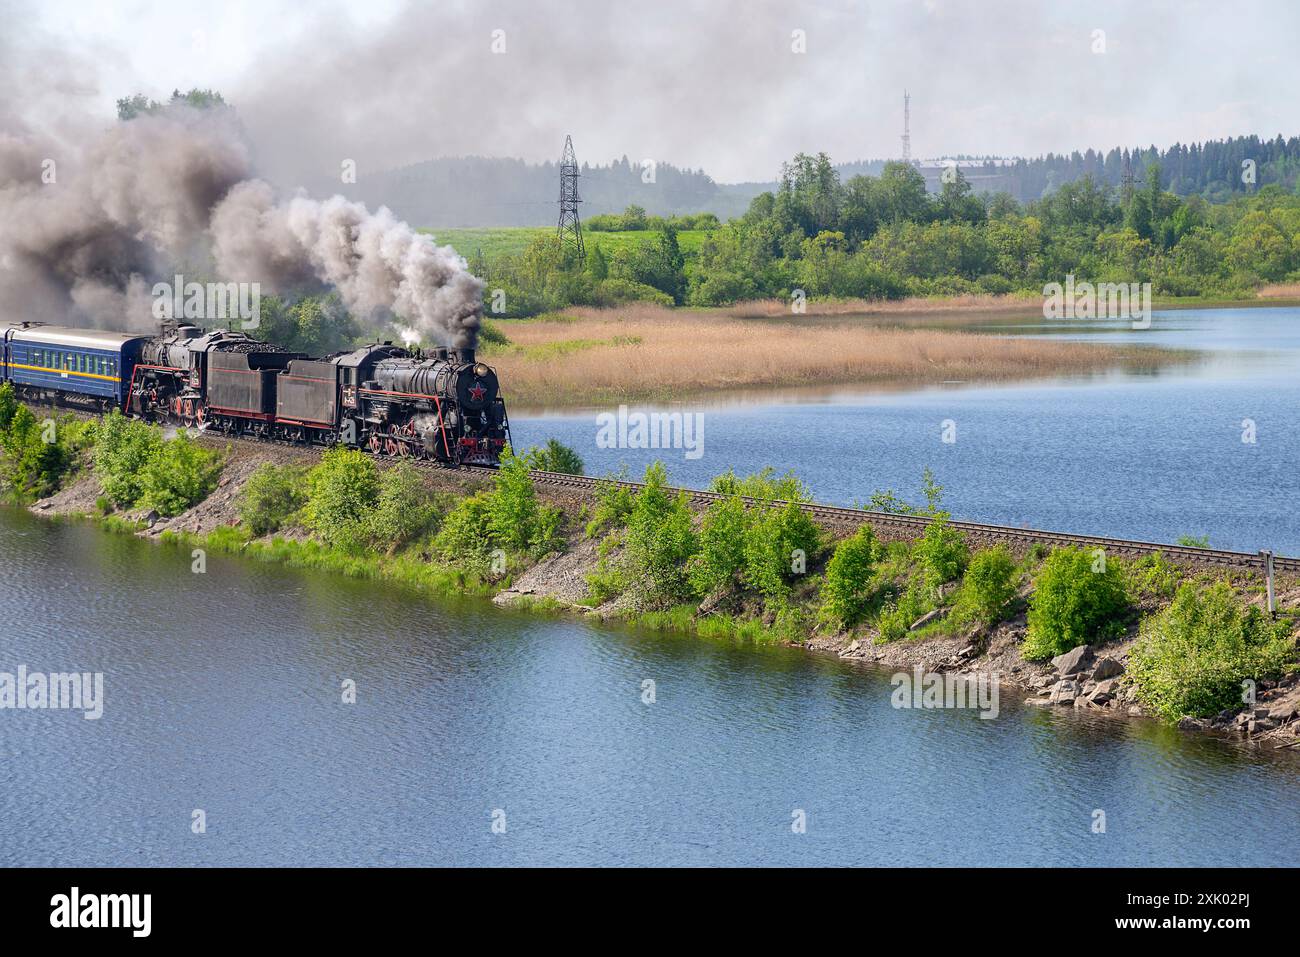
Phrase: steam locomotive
(390,400)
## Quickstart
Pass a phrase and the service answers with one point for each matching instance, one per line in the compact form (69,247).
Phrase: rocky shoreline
(1086,679)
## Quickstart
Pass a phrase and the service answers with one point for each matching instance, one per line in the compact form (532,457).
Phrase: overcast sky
(708,83)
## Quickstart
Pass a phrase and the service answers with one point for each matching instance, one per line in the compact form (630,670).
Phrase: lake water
(222,694)
(1150,456)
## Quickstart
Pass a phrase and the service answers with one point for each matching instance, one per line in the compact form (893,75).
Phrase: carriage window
(81,362)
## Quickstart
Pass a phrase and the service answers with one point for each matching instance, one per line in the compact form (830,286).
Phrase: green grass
(403,569)
(511,240)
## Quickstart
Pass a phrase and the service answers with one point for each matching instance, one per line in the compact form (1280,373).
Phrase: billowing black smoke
(85,232)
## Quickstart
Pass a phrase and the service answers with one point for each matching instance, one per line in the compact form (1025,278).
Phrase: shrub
(177,474)
(466,535)
(722,545)
(1192,657)
(1151,577)
(779,538)
(613,291)
(614,504)
(897,617)
(490,334)
(1079,598)
(659,543)
(122,448)
(846,592)
(988,587)
(8,405)
(554,457)
(35,456)
(513,501)
(343,489)
(272,495)
(765,485)
(402,510)
(941,551)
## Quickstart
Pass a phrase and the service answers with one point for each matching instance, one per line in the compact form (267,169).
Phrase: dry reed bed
(679,354)
(916,306)
(1281,290)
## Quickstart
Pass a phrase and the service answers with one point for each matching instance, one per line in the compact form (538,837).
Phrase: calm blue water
(1140,455)
(222,693)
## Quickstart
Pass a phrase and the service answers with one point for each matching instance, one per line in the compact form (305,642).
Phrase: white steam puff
(379,265)
(85,232)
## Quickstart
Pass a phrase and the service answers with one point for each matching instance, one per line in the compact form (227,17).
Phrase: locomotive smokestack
(467,356)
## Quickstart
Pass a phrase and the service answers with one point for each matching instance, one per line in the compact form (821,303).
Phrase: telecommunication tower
(907,128)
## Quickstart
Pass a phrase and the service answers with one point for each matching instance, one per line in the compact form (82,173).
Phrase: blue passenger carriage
(58,363)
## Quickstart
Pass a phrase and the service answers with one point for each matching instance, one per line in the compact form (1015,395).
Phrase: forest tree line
(886,237)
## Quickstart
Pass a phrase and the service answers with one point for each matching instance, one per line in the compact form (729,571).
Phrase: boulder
(1042,681)
(1104,692)
(1064,692)
(1107,668)
(1188,723)
(1073,661)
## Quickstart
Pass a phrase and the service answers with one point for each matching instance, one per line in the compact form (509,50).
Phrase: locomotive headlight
(480,369)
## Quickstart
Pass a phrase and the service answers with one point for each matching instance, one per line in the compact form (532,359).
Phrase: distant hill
(472,191)
(478,191)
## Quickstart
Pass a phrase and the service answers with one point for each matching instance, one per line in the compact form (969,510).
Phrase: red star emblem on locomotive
(477,392)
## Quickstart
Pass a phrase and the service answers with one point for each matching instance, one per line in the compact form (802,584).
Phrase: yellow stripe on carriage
(61,372)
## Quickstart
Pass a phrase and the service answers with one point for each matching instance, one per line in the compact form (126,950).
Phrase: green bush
(780,541)
(342,491)
(659,544)
(987,589)
(942,552)
(8,405)
(402,510)
(466,534)
(1192,658)
(614,504)
(897,617)
(610,292)
(36,453)
(722,545)
(1079,598)
(272,495)
(554,457)
(847,590)
(122,449)
(765,485)
(1151,577)
(178,473)
(137,467)
(513,503)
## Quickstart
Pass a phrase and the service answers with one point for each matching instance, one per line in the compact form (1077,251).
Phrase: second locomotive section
(445,406)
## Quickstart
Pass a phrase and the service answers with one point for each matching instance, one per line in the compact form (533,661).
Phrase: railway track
(915,524)
(918,523)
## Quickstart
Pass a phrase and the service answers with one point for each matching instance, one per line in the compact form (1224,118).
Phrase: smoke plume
(86,231)
(377,263)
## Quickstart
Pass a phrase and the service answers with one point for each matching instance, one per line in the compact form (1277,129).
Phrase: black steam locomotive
(445,405)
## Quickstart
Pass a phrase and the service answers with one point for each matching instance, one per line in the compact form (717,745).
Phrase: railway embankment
(1079,624)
